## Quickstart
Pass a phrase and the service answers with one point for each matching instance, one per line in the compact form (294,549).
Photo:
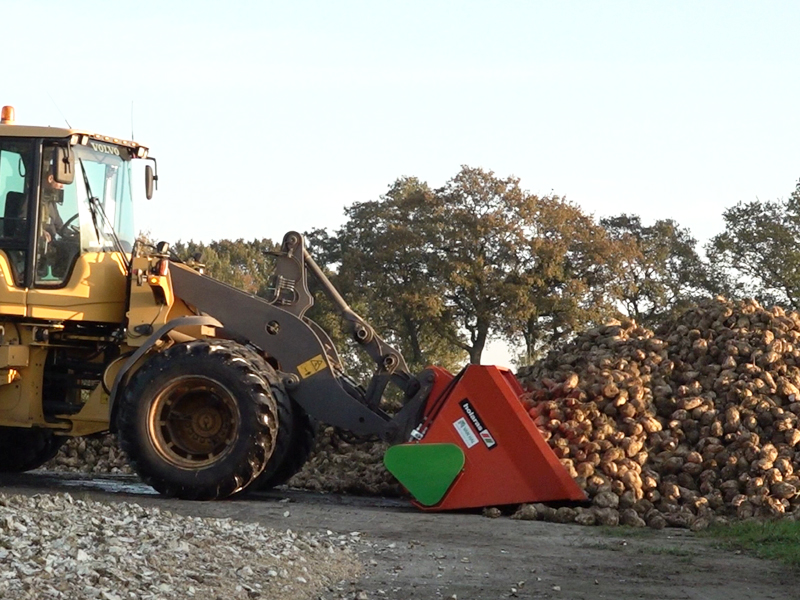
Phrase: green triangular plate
(425,470)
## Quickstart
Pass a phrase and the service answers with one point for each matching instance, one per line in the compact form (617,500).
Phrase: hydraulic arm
(313,373)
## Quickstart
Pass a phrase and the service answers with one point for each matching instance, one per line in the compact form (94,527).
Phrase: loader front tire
(26,448)
(199,420)
(296,440)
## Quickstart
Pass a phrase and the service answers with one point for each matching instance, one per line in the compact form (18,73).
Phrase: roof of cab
(35,131)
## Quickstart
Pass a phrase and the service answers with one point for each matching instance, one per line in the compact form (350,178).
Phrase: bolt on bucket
(477,446)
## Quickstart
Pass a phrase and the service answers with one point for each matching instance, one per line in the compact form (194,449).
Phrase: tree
(379,261)
(567,266)
(445,270)
(481,227)
(658,270)
(760,249)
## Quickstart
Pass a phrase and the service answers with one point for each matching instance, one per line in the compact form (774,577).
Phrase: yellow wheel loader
(211,390)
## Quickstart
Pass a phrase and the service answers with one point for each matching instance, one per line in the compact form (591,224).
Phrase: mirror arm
(150,178)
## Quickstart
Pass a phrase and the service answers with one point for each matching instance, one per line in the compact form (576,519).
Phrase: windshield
(69,224)
(109,178)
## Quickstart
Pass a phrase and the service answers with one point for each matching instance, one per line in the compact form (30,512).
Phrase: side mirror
(64,165)
(149,178)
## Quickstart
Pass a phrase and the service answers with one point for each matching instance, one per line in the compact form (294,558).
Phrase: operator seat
(14,216)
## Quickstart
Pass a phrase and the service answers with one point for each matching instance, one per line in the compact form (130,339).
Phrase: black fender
(151,341)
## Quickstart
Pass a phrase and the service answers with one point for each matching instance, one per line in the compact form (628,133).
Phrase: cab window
(16,171)
(58,236)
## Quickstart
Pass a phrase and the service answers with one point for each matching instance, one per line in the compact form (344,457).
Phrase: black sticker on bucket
(472,415)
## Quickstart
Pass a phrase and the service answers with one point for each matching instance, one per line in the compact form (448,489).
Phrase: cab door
(16,224)
(71,279)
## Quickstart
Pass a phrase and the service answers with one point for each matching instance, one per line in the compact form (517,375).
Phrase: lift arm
(313,374)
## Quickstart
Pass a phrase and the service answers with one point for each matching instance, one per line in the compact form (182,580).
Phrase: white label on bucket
(466,433)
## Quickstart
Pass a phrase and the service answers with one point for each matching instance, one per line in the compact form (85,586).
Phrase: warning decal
(466,433)
(312,366)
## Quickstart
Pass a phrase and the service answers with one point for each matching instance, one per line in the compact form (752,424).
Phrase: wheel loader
(213,391)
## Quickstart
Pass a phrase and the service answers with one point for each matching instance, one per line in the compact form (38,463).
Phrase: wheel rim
(193,422)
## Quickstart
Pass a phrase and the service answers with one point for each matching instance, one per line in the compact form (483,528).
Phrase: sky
(270,116)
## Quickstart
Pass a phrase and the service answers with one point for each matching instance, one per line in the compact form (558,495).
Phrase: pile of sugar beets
(692,424)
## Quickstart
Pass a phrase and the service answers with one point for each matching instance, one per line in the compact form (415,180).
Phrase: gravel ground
(55,546)
(408,554)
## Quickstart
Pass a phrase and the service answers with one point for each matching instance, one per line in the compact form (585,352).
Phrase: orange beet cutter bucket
(477,446)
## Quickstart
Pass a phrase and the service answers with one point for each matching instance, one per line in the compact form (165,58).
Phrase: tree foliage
(445,270)
(441,272)
(379,260)
(477,253)
(559,284)
(760,249)
(243,264)
(657,268)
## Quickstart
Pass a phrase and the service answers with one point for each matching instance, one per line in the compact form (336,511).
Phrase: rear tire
(199,420)
(26,448)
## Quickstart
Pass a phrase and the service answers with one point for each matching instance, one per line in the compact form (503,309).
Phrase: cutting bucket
(479,447)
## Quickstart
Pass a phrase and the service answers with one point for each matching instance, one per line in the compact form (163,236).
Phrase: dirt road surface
(410,554)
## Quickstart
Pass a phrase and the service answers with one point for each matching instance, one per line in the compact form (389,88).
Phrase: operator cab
(65,206)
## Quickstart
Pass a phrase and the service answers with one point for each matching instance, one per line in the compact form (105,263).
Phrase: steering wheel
(68,230)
